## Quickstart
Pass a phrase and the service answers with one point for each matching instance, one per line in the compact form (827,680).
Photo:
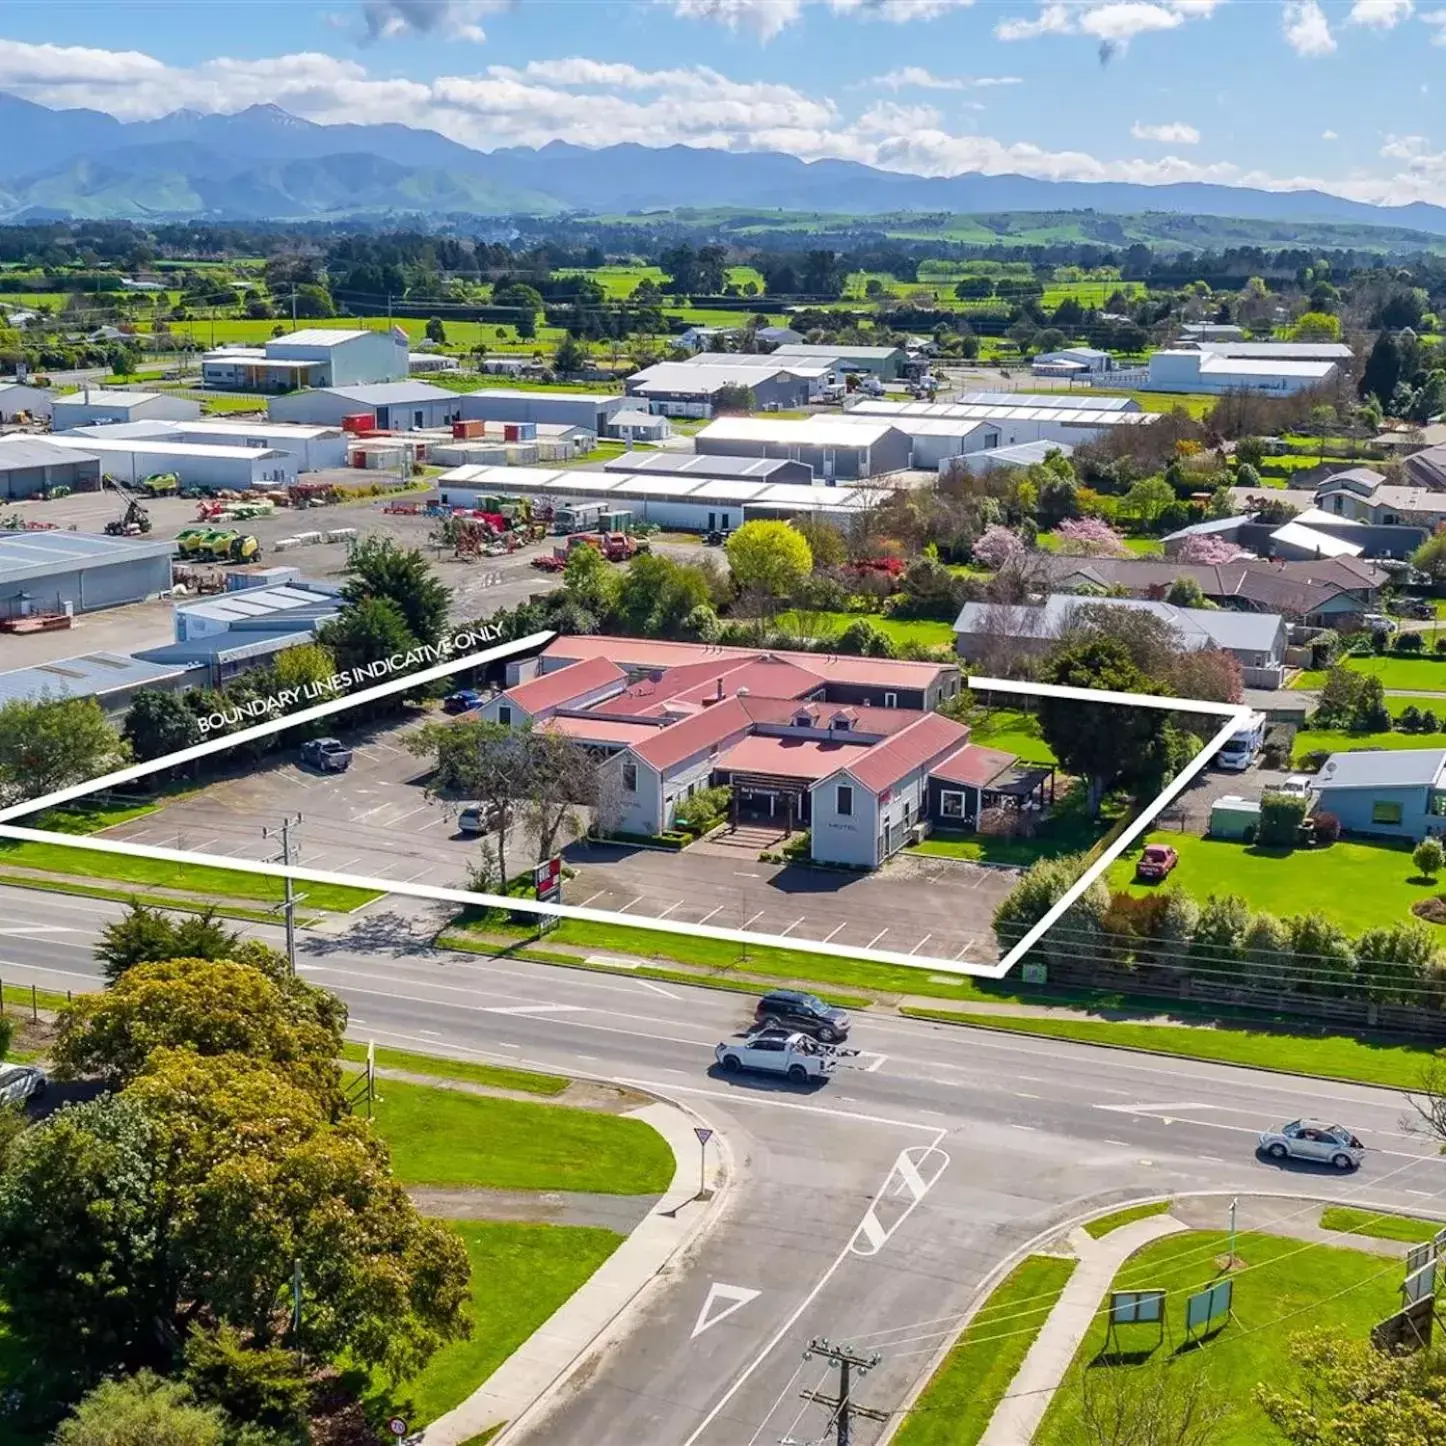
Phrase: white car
(19,1082)
(1314,1140)
(1296,785)
(777,1051)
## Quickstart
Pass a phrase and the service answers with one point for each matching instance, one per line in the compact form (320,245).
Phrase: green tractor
(161,484)
(228,545)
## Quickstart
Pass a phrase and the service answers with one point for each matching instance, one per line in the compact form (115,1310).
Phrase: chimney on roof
(719,693)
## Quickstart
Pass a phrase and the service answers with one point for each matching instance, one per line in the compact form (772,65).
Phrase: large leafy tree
(142,1410)
(159,723)
(143,935)
(769,561)
(52,744)
(212,1007)
(1109,745)
(367,631)
(379,568)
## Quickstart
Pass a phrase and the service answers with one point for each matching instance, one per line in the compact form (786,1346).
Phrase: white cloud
(915,77)
(767,18)
(455,19)
(1436,19)
(595,103)
(1174,133)
(1113,23)
(1329,136)
(1380,14)
(1307,31)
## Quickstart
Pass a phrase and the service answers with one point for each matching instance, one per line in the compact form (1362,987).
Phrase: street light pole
(289,898)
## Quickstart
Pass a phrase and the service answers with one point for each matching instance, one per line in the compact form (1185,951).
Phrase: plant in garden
(1207,551)
(1429,857)
(996,545)
(1090,537)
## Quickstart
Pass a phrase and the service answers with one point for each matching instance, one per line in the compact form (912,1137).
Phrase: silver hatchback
(1314,1140)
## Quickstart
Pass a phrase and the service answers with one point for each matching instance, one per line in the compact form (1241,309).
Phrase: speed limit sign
(397,1427)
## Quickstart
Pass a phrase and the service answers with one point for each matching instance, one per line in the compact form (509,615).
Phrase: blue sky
(1262,92)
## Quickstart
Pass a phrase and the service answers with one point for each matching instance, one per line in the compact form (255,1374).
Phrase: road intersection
(870,1210)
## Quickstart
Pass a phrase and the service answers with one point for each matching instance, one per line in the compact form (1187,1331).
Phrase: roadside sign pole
(704,1135)
(1230,1262)
(288,905)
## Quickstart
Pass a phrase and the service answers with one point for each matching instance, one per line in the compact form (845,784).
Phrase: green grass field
(203,881)
(955,1407)
(1284,1290)
(445,1137)
(1399,675)
(1014,732)
(1309,740)
(493,1075)
(1398,1066)
(520,1275)
(1405,1228)
(1070,831)
(1358,885)
(1096,1229)
(925,632)
(1197,406)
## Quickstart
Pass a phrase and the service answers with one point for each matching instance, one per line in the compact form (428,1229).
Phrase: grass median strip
(1351,1221)
(493,1075)
(203,880)
(1333,1057)
(157,901)
(1106,1223)
(447,1138)
(956,1405)
(520,1275)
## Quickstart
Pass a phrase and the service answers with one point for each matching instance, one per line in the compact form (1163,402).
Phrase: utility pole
(844,1410)
(289,897)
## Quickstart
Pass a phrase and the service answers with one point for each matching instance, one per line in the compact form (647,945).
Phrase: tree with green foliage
(1281,815)
(1108,745)
(266,1387)
(145,935)
(52,743)
(366,632)
(1351,1394)
(1429,857)
(1316,326)
(1218,943)
(769,562)
(1186,592)
(1146,501)
(157,724)
(436,331)
(142,1410)
(1383,370)
(209,1006)
(1323,955)
(657,594)
(379,568)
(1395,964)
(570,356)
(1430,557)
(863,638)
(1079,933)
(592,581)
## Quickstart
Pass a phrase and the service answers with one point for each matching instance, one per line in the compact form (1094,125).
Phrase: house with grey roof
(1257,641)
(1392,793)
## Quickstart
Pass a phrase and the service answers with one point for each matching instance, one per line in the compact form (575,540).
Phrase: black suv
(788,1009)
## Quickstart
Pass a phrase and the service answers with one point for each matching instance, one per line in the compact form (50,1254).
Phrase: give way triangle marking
(722,1301)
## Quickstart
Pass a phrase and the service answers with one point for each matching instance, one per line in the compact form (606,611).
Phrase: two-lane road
(868,1210)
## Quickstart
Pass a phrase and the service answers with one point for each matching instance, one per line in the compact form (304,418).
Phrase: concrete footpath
(523,1386)
(1044,1368)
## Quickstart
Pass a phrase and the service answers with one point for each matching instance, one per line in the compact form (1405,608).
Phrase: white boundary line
(1233,714)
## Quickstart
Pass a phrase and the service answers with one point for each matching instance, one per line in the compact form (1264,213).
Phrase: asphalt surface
(869,1209)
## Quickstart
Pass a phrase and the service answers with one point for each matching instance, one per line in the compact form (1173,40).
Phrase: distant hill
(266,164)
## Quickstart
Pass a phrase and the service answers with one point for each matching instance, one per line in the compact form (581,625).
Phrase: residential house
(1393,793)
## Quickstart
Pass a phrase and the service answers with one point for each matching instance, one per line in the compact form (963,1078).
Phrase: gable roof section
(553,690)
(692,736)
(1382,768)
(1428,469)
(909,749)
(973,765)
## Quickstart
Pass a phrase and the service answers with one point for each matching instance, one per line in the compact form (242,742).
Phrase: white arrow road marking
(915,1173)
(1176,1107)
(736,1296)
(535,1009)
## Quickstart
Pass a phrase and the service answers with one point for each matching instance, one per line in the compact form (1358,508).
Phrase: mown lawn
(1310,740)
(1405,1228)
(1286,1290)
(496,1076)
(1106,1223)
(1397,1066)
(1013,731)
(1070,831)
(1358,885)
(520,1275)
(955,1406)
(204,881)
(1197,406)
(1400,675)
(924,632)
(445,1137)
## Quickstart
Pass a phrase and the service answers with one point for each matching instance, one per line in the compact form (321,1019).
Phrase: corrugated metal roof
(816,431)
(18,450)
(553,690)
(91,675)
(910,749)
(900,412)
(390,394)
(698,464)
(104,397)
(1293,534)
(1382,768)
(253,602)
(62,550)
(318,336)
(1077,401)
(83,441)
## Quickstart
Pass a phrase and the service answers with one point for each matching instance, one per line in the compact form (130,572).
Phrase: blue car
(464,700)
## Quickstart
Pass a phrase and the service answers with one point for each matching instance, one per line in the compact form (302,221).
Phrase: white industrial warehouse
(93,404)
(57,572)
(692,504)
(1006,425)
(313,447)
(207,465)
(842,448)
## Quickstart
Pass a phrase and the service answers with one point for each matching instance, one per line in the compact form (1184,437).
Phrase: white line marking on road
(921,943)
(418,874)
(670,909)
(838,930)
(37,929)
(631,902)
(1144,1109)
(591,897)
(657,989)
(423,827)
(357,818)
(201,848)
(872,941)
(1427,1193)
(792,926)
(533,1009)
(429,1034)
(708,915)
(758,915)
(1123,1144)
(1025,1095)
(876,1065)
(1029,1128)
(908,1180)
(403,817)
(737,1097)
(744,874)
(963,952)
(737,1297)
(349,862)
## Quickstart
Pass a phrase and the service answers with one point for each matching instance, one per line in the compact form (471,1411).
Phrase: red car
(1156,861)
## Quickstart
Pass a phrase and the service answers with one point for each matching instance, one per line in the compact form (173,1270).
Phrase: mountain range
(263,163)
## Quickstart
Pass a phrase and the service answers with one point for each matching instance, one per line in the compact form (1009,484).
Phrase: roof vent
(742,693)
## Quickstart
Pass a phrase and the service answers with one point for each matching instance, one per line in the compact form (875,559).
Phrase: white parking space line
(203,847)
(402,818)
(420,872)
(791,927)
(670,909)
(706,916)
(964,950)
(591,897)
(631,902)
(757,916)
(358,817)
(876,938)
(920,944)
(840,927)
(338,868)
(423,827)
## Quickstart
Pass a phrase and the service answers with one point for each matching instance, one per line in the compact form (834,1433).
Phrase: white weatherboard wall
(844,839)
(641,810)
